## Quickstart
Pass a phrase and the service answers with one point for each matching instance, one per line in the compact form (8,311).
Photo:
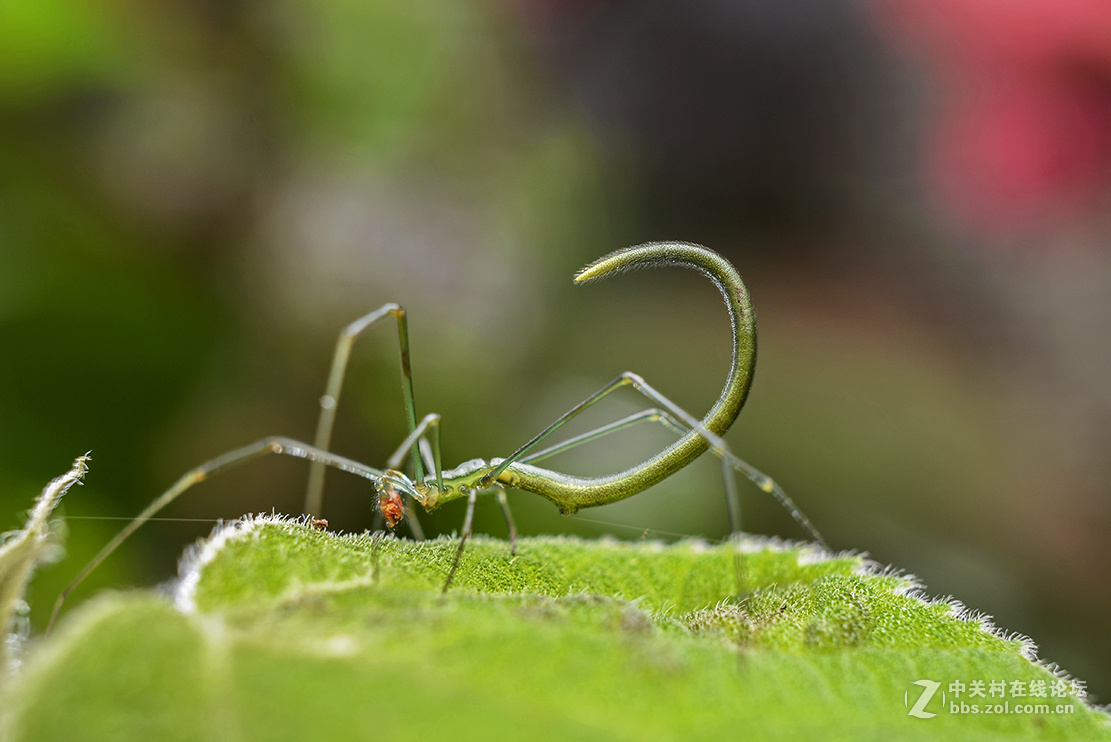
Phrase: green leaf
(283,632)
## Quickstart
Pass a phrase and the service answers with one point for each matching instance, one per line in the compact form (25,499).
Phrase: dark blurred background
(196,195)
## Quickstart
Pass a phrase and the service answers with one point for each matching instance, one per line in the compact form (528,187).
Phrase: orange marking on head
(391,506)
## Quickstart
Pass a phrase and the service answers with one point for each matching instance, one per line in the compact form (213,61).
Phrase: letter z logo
(929,687)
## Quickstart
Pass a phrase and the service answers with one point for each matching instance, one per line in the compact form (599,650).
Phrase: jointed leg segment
(468,524)
(504,502)
(264,447)
(676,419)
(654,414)
(314,494)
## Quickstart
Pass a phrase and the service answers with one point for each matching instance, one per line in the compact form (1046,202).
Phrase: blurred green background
(196,195)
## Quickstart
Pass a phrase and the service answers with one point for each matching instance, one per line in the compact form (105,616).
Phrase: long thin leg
(431,454)
(668,421)
(628,378)
(652,414)
(728,460)
(761,480)
(623,380)
(416,441)
(429,460)
(430,423)
(468,522)
(732,500)
(411,518)
(314,494)
(273,445)
(426,454)
(504,502)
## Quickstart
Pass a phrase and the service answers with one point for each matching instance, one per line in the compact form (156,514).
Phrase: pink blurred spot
(1017,156)
(1023,135)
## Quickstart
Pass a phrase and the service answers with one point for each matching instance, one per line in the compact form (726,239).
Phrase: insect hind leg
(682,422)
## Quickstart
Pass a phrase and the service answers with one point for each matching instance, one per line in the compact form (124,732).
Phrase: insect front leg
(264,447)
(314,493)
(430,453)
(429,428)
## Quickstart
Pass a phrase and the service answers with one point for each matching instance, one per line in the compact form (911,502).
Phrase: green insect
(431,485)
